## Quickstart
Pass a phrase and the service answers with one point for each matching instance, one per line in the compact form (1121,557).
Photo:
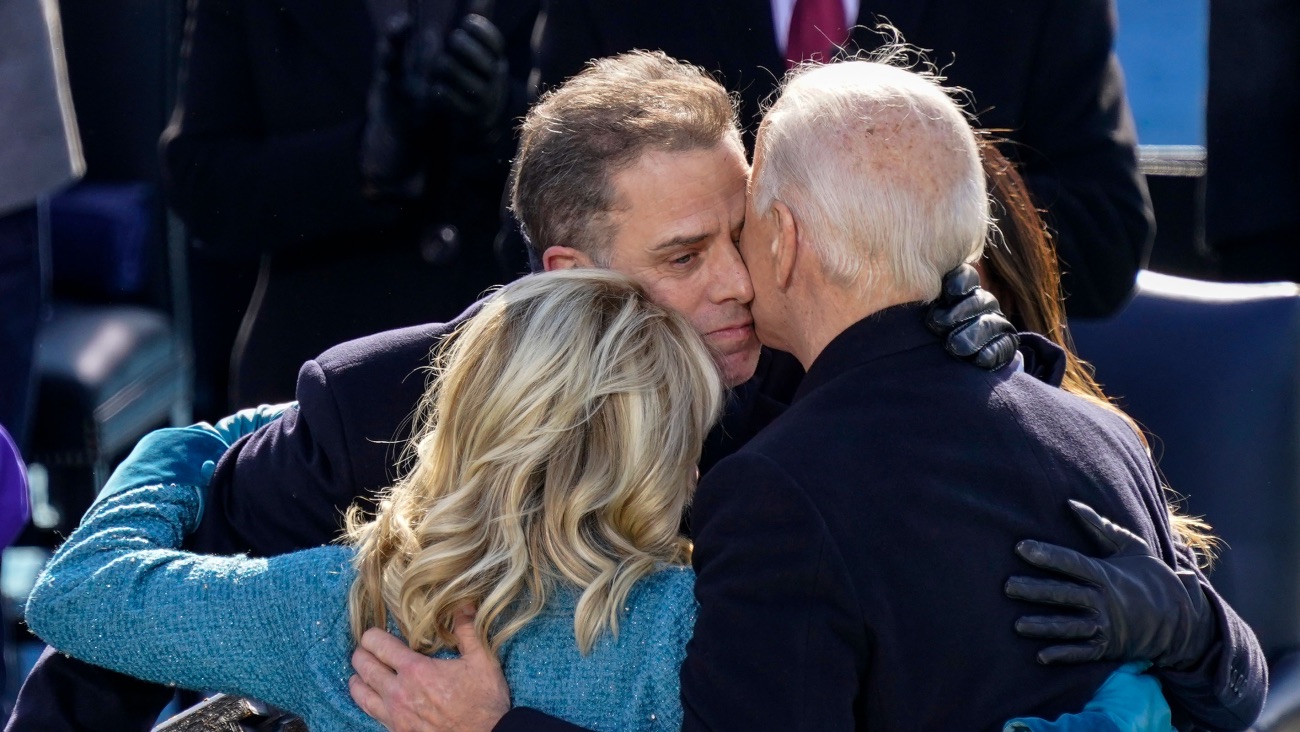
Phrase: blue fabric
(246,421)
(1128,701)
(185,455)
(120,595)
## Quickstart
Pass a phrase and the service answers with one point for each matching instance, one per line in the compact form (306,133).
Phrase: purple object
(14,508)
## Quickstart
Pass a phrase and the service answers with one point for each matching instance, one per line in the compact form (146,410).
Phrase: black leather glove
(422,93)
(1133,606)
(470,79)
(971,322)
(392,141)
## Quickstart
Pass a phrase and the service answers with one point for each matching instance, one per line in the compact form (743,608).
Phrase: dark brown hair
(579,134)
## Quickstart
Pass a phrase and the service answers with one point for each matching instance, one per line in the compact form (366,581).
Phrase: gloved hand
(181,455)
(245,421)
(970,321)
(1134,606)
(470,79)
(421,91)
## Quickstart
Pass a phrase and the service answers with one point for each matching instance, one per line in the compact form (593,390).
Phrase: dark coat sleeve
(1078,151)
(1226,690)
(243,188)
(62,694)
(286,486)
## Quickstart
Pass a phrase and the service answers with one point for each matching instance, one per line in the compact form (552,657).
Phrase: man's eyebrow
(683,240)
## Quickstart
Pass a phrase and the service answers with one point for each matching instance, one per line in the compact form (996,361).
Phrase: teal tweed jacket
(120,594)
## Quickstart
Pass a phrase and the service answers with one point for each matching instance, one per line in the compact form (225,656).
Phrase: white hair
(882,171)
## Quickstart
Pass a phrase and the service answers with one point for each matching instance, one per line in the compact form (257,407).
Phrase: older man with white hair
(843,555)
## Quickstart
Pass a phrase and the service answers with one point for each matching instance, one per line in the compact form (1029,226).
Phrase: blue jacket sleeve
(1128,701)
(118,594)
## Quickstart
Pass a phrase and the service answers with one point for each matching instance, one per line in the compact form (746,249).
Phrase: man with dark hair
(1042,72)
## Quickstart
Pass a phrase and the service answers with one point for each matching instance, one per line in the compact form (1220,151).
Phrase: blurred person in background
(357,149)
(1042,73)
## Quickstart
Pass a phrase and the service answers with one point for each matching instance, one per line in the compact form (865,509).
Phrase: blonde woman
(556,454)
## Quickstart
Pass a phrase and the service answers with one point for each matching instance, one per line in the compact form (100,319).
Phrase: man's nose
(731,281)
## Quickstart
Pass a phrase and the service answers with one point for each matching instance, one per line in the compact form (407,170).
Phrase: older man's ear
(786,249)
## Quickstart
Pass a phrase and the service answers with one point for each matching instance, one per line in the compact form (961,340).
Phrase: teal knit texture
(119,594)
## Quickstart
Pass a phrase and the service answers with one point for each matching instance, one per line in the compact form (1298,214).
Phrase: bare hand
(410,692)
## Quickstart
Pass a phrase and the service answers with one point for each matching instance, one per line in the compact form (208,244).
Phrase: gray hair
(881,169)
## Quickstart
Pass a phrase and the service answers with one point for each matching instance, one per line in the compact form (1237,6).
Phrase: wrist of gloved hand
(391,146)
(1126,606)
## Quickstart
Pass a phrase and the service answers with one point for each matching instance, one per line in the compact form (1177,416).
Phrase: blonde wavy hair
(556,445)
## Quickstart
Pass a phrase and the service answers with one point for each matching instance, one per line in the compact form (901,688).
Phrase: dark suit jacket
(1042,72)
(850,557)
(262,160)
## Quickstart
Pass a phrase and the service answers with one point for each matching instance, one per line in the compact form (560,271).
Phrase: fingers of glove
(1060,559)
(1072,654)
(961,280)
(967,339)
(484,34)
(1061,627)
(468,58)
(458,100)
(450,74)
(393,45)
(1111,536)
(1053,592)
(947,314)
(998,352)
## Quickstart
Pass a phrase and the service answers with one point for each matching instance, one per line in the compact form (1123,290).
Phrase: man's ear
(786,245)
(564,258)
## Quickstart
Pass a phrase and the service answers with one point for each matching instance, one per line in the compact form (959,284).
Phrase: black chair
(110,364)
(1212,372)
